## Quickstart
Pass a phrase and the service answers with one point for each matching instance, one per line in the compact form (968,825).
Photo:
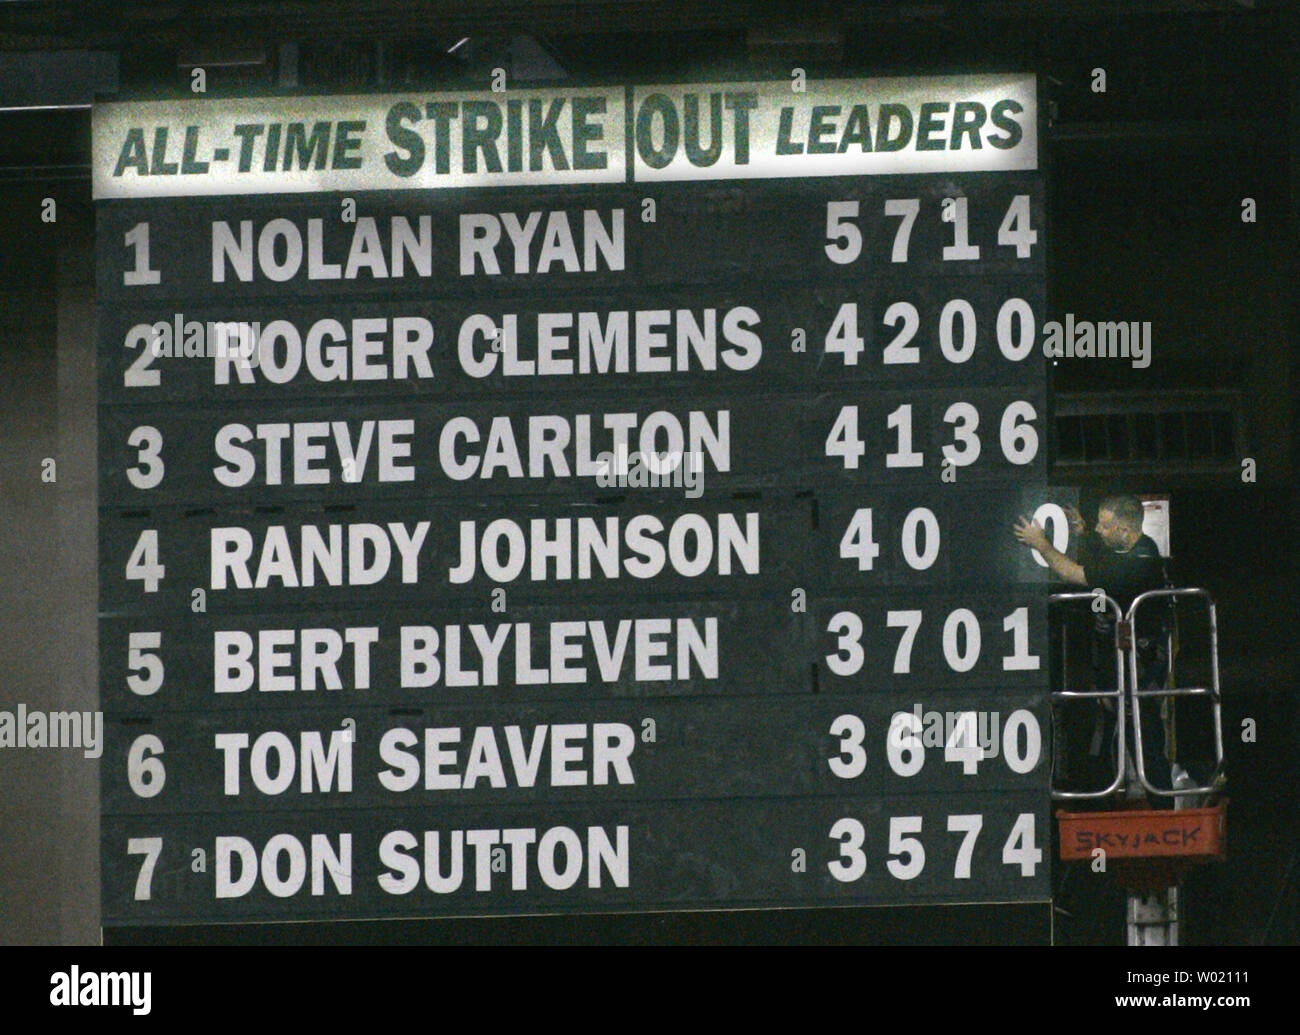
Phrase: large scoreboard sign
(571,500)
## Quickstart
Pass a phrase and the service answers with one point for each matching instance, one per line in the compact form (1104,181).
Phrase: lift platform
(1148,850)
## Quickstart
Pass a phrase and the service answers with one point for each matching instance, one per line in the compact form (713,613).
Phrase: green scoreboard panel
(572,500)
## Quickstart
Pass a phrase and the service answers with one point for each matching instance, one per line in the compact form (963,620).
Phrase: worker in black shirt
(1119,558)
(1122,562)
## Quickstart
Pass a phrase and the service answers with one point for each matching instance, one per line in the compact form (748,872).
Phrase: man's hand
(1077,525)
(1030,533)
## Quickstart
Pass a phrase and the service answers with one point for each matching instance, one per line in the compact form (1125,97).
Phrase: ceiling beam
(49,24)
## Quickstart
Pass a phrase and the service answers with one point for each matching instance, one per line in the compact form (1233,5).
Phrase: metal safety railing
(1212,691)
(1117,695)
(1127,675)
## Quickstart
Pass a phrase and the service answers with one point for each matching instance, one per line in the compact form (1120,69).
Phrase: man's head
(1119,521)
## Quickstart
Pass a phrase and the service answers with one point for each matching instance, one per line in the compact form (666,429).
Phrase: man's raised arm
(1032,535)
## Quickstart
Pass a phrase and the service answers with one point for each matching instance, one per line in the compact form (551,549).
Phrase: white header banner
(846,127)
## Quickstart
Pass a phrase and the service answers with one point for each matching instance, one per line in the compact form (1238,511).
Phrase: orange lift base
(1146,849)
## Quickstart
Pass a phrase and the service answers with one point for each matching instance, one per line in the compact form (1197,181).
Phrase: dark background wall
(49,827)
(1201,109)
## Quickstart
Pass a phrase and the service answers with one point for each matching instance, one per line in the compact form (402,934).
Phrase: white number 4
(143,563)
(1015,228)
(857,542)
(1019,849)
(843,440)
(843,337)
(963,744)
